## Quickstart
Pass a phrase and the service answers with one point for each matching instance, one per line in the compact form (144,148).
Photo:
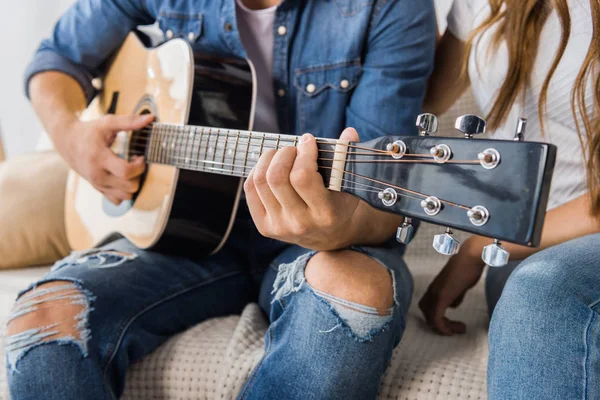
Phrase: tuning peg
(495,255)
(470,125)
(405,232)
(427,124)
(446,243)
(520,130)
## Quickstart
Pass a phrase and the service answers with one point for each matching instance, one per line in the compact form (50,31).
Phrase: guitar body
(176,211)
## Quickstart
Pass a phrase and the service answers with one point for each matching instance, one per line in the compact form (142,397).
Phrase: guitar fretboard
(220,151)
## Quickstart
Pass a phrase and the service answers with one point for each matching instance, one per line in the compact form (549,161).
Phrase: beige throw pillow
(32,229)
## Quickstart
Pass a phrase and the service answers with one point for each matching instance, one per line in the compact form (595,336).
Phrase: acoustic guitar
(202,146)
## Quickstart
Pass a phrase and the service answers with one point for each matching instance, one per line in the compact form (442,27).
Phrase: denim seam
(329,66)
(180,15)
(165,299)
(355,12)
(587,361)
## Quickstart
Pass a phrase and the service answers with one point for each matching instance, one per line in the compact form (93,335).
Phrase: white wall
(23,24)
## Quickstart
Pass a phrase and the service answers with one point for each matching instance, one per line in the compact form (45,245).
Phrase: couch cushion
(32,230)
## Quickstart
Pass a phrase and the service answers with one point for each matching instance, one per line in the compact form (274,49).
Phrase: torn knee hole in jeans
(361,322)
(51,312)
(96,258)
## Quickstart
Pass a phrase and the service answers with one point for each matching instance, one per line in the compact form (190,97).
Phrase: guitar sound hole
(136,146)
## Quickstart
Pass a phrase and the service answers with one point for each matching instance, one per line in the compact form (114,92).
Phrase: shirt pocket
(323,94)
(177,24)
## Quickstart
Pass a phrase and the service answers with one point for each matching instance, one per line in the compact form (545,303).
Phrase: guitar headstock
(493,188)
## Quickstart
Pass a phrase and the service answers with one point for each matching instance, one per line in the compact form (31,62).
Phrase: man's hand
(289,202)
(448,289)
(86,147)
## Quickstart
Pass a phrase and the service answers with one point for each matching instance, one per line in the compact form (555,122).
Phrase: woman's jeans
(131,301)
(545,329)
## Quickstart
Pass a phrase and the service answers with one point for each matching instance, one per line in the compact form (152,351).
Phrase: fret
(193,158)
(162,146)
(262,144)
(233,158)
(199,147)
(180,147)
(278,140)
(206,149)
(192,134)
(167,145)
(216,148)
(187,147)
(173,147)
(172,144)
(158,145)
(244,173)
(146,145)
(152,145)
(225,148)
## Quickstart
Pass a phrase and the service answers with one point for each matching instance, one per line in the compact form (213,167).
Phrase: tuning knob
(470,125)
(405,232)
(427,124)
(446,243)
(495,255)
(520,130)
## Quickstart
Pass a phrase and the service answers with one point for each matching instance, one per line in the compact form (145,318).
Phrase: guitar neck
(229,152)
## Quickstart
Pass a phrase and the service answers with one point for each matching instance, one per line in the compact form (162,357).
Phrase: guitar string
(244,174)
(179,146)
(175,157)
(250,135)
(181,135)
(141,143)
(375,189)
(257,135)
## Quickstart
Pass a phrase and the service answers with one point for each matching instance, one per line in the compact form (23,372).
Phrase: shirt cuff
(46,60)
(460,20)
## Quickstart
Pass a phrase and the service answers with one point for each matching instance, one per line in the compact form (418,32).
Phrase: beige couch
(213,359)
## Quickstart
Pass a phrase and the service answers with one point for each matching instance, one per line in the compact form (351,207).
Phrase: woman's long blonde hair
(519,24)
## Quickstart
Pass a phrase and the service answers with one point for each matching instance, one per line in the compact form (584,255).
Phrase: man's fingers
(257,209)
(129,186)
(127,122)
(259,177)
(121,168)
(350,134)
(305,177)
(115,196)
(278,177)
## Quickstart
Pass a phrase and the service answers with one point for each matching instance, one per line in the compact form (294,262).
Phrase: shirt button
(310,88)
(282,30)
(97,83)
(228,27)
(281,92)
(169,34)
(191,36)
(344,84)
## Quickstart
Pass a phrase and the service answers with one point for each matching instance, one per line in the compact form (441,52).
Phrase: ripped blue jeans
(123,303)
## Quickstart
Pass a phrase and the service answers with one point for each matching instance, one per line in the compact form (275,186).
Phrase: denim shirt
(382,51)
